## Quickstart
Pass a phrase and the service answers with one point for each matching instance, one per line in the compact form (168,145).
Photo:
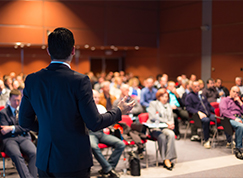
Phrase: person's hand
(170,125)
(125,107)
(173,106)
(201,114)
(238,120)
(238,99)
(221,93)
(6,129)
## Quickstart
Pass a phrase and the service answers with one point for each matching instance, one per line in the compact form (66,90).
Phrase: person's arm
(88,110)
(27,116)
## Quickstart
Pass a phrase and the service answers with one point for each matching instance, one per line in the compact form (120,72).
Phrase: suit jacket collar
(10,114)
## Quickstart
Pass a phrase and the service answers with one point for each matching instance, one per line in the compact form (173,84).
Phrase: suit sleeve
(27,116)
(88,110)
(189,105)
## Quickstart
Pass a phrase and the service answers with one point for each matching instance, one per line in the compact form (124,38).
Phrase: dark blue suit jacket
(7,118)
(62,100)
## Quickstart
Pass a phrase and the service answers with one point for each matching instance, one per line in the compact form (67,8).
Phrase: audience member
(238,82)
(232,108)
(210,91)
(97,86)
(198,104)
(148,93)
(201,84)
(115,87)
(193,77)
(178,81)
(134,90)
(163,82)
(177,109)
(157,82)
(8,82)
(137,109)
(4,94)
(182,89)
(17,139)
(165,77)
(108,166)
(15,84)
(106,99)
(223,91)
(164,136)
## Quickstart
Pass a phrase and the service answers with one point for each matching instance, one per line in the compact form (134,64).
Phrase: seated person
(148,93)
(238,82)
(223,91)
(4,94)
(134,91)
(15,138)
(198,103)
(108,166)
(210,91)
(164,136)
(137,109)
(176,106)
(106,99)
(232,108)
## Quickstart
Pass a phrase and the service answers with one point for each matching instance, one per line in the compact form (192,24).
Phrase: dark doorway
(98,65)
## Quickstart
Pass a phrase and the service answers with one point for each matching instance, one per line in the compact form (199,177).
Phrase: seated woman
(164,136)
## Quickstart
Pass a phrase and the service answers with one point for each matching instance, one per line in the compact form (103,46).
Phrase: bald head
(234,92)
(124,90)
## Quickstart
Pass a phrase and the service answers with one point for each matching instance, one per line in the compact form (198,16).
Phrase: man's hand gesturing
(125,107)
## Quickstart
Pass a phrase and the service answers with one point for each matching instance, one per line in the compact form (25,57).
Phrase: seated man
(223,91)
(232,108)
(137,109)
(15,138)
(148,93)
(178,111)
(4,94)
(210,91)
(110,140)
(197,103)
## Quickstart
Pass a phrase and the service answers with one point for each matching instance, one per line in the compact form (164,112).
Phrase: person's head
(162,95)
(238,81)
(15,84)
(158,77)
(210,83)
(183,76)
(165,76)
(124,90)
(7,80)
(193,77)
(61,45)
(105,86)
(133,82)
(150,82)
(171,85)
(218,83)
(195,86)
(96,96)
(12,75)
(234,92)
(163,81)
(179,79)
(101,79)
(15,98)
(201,84)
(184,83)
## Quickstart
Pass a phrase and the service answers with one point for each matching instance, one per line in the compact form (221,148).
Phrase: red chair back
(126,119)
(2,107)
(217,113)
(215,104)
(143,117)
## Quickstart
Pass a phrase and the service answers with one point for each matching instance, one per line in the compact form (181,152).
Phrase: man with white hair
(137,109)
(232,108)
(238,82)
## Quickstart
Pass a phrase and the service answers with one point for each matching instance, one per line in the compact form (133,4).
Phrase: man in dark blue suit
(63,102)
(16,138)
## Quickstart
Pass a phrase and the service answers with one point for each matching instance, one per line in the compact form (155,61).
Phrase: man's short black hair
(60,43)
(210,79)
(15,92)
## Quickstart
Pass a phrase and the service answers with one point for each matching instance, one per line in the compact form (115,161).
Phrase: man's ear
(73,51)
(47,49)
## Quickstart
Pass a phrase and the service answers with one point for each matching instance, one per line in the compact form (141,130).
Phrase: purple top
(228,107)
